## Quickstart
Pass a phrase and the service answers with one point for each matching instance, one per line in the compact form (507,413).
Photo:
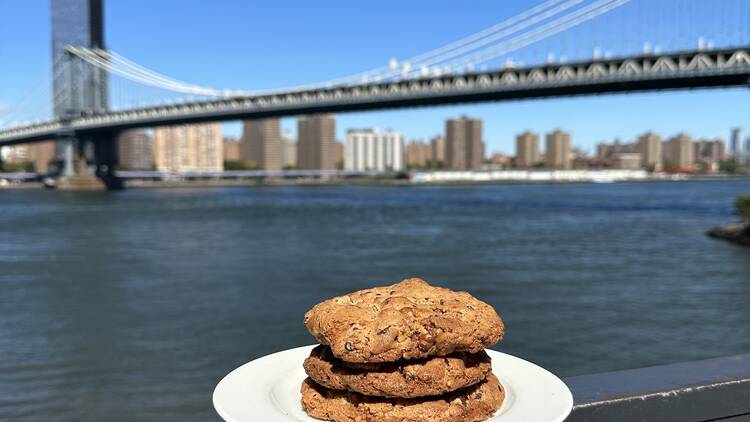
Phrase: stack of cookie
(406,352)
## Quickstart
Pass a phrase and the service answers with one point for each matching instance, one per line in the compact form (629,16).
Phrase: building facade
(418,154)
(338,147)
(558,150)
(527,149)
(605,151)
(189,148)
(316,142)
(231,149)
(628,160)
(261,143)
(437,144)
(135,150)
(40,155)
(679,152)
(649,145)
(464,147)
(288,151)
(709,150)
(371,150)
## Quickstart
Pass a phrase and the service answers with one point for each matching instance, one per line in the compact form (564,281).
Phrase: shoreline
(737,233)
(382,182)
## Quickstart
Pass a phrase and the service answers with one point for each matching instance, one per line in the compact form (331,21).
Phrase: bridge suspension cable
(560,23)
(583,15)
(519,21)
(469,51)
(34,105)
(116,64)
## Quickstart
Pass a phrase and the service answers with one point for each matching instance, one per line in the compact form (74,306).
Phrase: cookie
(475,403)
(408,320)
(404,379)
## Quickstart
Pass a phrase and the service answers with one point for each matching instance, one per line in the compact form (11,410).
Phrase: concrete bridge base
(81,183)
(88,164)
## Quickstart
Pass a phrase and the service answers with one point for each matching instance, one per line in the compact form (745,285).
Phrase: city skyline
(219,57)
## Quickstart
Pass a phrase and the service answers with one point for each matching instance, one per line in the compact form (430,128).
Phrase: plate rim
(568,396)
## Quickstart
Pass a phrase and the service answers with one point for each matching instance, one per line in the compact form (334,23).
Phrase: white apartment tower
(371,150)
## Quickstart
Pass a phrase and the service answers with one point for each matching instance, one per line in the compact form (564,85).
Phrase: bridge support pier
(89,164)
(105,159)
(68,152)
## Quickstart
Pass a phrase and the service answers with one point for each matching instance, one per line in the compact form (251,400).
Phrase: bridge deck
(680,70)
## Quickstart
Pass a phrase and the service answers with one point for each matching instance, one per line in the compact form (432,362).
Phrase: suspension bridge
(556,48)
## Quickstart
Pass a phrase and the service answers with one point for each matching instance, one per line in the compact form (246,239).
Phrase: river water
(133,305)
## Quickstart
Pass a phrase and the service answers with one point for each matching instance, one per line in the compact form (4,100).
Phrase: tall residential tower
(189,148)
(316,142)
(558,150)
(261,143)
(464,148)
(527,149)
(650,148)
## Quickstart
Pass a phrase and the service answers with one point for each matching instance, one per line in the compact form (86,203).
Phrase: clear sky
(250,44)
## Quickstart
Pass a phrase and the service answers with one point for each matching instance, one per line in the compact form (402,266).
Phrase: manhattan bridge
(555,48)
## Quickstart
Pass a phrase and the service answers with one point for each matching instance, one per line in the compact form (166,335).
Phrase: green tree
(743,208)
(728,166)
(22,167)
(240,165)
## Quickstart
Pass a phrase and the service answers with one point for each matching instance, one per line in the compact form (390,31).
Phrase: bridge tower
(81,89)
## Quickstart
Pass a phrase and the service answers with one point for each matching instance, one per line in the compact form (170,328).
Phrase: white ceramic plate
(268,389)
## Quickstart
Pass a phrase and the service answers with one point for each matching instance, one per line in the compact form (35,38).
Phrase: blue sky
(248,44)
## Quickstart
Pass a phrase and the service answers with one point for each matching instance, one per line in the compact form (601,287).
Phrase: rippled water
(133,305)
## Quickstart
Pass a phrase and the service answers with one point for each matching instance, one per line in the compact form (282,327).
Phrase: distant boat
(49,182)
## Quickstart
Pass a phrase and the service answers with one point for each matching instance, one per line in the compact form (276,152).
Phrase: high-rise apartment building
(231,149)
(261,143)
(437,144)
(338,148)
(189,148)
(709,151)
(371,150)
(558,150)
(527,149)
(135,150)
(649,145)
(288,151)
(316,142)
(15,154)
(418,154)
(464,148)
(40,154)
(679,152)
